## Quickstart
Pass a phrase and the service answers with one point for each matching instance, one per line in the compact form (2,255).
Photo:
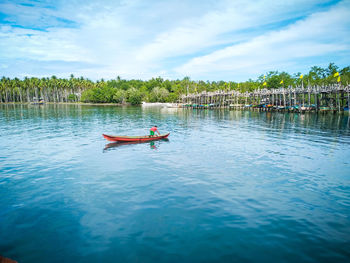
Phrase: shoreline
(179,106)
(160,104)
(143,104)
(70,103)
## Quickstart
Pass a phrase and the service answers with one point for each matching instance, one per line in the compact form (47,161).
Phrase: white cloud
(230,22)
(39,45)
(142,39)
(319,34)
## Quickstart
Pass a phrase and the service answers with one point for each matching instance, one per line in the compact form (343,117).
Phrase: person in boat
(153,130)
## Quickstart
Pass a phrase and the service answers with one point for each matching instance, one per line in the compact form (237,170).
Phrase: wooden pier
(294,99)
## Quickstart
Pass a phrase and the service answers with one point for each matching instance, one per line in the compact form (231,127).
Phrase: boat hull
(116,138)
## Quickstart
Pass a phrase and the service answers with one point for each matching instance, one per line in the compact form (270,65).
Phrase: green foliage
(72,98)
(134,96)
(102,93)
(119,96)
(133,91)
(90,95)
(159,95)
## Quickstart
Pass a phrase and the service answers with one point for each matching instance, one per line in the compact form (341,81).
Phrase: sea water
(227,186)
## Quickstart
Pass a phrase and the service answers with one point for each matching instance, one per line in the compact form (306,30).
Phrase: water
(228,186)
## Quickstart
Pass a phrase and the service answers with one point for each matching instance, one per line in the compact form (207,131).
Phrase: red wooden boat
(117,138)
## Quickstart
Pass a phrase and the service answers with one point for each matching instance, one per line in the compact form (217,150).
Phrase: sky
(231,40)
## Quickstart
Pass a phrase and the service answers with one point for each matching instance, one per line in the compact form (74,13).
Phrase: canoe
(117,138)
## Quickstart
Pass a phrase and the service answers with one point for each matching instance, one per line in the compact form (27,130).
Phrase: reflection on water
(323,121)
(152,144)
(240,186)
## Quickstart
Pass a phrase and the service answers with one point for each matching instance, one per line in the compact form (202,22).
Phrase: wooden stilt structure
(294,99)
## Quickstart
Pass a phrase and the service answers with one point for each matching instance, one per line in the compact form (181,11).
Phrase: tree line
(134,91)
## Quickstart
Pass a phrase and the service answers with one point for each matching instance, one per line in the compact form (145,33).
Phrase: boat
(7,260)
(37,101)
(324,108)
(118,138)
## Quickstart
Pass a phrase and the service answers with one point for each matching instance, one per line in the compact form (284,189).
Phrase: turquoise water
(228,186)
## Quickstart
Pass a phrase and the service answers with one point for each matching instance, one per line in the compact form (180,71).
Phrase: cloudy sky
(208,40)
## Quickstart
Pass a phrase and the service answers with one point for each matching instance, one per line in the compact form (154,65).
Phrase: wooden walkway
(311,98)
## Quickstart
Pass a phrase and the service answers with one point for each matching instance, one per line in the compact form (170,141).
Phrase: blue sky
(205,40)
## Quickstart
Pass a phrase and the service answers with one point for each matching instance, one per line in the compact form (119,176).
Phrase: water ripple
(227,186)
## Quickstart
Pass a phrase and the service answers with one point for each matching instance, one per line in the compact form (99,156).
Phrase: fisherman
(152,130)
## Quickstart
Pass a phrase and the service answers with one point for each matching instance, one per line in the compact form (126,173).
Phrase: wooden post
(303,93)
